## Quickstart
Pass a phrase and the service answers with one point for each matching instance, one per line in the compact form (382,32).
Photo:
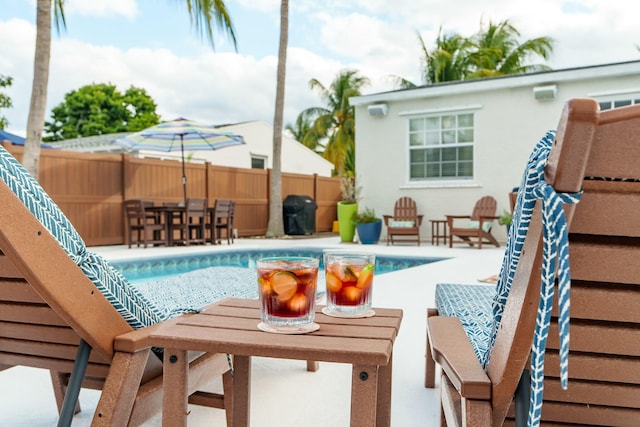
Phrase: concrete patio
(283,392)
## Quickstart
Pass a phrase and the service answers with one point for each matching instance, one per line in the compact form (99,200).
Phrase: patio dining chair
(62,308)
(504,352)
(222,221)
(145,225)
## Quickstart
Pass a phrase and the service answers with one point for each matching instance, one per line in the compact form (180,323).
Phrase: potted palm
(505,219)
(348,208)
(369,226)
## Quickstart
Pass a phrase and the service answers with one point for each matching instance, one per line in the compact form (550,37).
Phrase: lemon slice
(285,284)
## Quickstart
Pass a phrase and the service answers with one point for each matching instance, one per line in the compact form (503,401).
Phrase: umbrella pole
(184,174)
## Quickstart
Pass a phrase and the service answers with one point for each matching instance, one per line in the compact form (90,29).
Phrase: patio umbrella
(179,134)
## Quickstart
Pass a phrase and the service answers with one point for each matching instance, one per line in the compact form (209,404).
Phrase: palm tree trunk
(35,122)
(275,227)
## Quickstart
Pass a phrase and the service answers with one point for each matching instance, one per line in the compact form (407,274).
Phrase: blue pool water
(158,268)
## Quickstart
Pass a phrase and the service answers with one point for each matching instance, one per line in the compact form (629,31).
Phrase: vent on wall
(545,93)
(377,109)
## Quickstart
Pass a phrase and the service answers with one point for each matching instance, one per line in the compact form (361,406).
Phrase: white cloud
(376,37)
(101,8)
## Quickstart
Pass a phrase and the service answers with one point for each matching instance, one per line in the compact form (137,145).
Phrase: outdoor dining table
(230,326)
(172,213)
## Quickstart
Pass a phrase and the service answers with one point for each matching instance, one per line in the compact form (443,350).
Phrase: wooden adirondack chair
(404,224)
(54,316)
(477,226)
(595,152)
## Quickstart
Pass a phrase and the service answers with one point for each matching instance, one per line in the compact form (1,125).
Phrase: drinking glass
(287,289)
(349,278)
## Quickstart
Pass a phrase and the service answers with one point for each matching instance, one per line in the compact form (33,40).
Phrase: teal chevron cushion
(472,305)
(130,303)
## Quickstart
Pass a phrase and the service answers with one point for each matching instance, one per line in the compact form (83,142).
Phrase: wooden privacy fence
(90,189)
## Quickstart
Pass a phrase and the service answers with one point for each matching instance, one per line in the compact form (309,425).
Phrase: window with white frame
(258,162)
(618,101)
(441,147)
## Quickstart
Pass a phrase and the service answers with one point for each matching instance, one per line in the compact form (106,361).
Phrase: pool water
(142,270)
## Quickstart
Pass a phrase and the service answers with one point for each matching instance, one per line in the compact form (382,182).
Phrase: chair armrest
(387,218)
(451,349)
(450,219)
(419,221)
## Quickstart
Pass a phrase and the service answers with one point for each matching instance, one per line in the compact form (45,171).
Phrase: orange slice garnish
(333,283)
(352,293)
(298,302)
(284,284)
(366,277)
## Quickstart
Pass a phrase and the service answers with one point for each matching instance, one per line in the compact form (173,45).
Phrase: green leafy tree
(334,127)
(99,109)
(300,128)
(497,52)
(5,100)
(493,51)
(204,14)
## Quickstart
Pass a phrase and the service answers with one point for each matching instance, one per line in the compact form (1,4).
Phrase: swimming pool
(140,270)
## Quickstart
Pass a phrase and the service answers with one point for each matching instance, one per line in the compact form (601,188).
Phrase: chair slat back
(405,209)
(484,207)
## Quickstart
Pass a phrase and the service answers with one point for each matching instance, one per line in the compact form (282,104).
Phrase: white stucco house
(446,145)
(257,152)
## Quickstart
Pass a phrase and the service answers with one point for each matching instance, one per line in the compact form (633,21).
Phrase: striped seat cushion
(472,305)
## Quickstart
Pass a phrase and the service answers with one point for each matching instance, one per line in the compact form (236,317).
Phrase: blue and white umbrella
(179,134)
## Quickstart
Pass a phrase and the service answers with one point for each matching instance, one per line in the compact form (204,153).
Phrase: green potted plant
(348,208)
(369,226)
(505,219)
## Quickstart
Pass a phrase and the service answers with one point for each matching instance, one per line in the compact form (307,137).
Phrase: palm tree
(492,52)
(334,126)
(300,128)
(275,227)
(497,52)
(204,15)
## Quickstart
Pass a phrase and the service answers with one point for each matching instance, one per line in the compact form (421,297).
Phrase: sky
(151,44)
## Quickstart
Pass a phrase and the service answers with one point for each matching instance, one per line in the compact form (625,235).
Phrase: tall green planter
(347,227)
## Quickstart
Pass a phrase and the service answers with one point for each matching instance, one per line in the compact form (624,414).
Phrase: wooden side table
(230,326)
(438,231)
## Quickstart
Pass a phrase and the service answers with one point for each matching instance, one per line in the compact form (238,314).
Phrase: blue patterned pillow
(131,305)
(472,305)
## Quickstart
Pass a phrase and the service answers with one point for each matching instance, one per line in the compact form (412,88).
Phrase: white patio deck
(283,392)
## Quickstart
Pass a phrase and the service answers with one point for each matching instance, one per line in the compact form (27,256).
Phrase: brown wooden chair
(596,153)
(477,227)
(54,316)
(222,221)
(404,224)
(145,225)
(192,227)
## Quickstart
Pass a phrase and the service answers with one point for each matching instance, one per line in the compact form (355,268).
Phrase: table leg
(383,412)
(364,395)
(241,405)
(175,382)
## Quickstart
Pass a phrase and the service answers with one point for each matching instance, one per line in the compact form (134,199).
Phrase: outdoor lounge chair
(477,227)
(62,308)
(404,224)
(491,343)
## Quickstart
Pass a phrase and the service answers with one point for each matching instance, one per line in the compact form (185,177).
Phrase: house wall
(508,123)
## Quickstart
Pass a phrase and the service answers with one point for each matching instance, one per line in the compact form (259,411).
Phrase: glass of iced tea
(349,278)
(287,288)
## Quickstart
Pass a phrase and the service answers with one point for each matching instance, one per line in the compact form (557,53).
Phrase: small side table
(438,231)
(230,326)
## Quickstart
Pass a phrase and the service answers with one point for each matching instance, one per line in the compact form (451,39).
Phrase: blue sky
(151,44)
